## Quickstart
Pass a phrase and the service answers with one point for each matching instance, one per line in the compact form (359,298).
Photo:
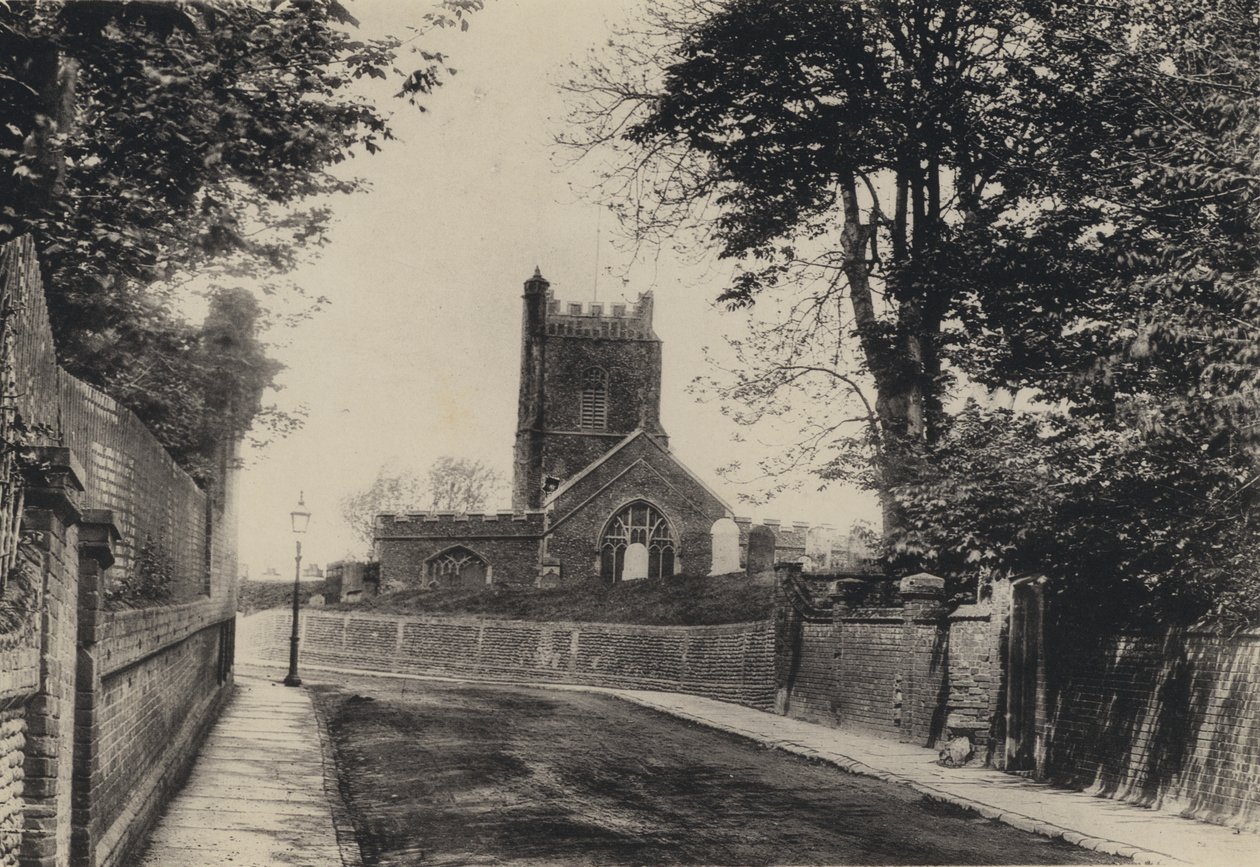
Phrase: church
(596,492)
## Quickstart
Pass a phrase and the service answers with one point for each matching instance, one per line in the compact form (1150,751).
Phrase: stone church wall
(634,381)
(580,513)
(508,541)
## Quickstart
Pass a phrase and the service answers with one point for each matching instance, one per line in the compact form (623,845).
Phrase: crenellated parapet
(438,525)
(614,320)
(818,547)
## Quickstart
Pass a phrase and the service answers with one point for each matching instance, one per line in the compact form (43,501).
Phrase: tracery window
(458,567)
(593,412)
(638,522)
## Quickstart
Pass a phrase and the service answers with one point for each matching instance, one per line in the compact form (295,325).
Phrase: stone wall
(509,542)
(101,710)
(730,662)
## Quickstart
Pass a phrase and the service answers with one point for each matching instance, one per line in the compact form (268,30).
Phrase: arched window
(593,414)
(458,567)
(638,522)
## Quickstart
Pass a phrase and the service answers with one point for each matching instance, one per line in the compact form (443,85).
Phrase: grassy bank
(258,595)
(673,602)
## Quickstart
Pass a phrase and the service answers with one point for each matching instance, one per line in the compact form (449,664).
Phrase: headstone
(760,550)
(315,600)
(724,536)
(636,566)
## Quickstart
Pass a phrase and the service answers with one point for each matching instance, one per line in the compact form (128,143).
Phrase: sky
(417,353)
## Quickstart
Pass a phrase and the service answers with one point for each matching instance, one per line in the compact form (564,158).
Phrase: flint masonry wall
(101,710)
(509,541)
(732,662)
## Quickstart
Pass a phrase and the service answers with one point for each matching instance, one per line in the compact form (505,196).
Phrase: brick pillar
(97,535)
(52,510)
(788,624)
(923,658)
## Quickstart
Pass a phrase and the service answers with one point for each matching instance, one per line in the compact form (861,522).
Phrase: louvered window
(594,410)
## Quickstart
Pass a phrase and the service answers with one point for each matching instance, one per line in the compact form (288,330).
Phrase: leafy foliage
(151,580)
(146,142)
(451,485)
(1053,201)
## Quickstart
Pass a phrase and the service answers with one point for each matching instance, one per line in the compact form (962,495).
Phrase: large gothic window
(457,567)
(593,414)
(638,523)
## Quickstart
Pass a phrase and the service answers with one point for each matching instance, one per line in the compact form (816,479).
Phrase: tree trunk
(896,366)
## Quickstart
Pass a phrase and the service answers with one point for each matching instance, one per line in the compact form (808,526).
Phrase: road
(438,773)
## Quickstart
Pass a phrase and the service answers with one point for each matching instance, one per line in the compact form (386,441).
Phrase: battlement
(601,319)
(390,525)
(816,546)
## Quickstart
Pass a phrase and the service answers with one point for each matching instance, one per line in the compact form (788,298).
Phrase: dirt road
(475,774)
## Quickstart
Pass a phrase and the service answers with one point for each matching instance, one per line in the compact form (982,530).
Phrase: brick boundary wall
(1170,721)
(101,710)
(731,662)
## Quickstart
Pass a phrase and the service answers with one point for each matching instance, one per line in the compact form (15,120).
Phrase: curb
(1019,821)
(343,822)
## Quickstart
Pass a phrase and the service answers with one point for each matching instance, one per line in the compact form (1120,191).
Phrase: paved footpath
(1101,824)
(256,796)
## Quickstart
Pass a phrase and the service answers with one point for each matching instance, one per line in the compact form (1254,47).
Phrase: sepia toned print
(731,432)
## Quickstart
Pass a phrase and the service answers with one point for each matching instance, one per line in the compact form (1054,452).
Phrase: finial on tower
(537,283)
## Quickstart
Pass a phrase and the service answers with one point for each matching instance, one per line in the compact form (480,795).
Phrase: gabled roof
(639,433)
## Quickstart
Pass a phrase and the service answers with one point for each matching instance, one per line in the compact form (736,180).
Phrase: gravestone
(760,550)
(636,562)
(724,538)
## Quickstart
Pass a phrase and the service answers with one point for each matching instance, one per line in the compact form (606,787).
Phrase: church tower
(590,376)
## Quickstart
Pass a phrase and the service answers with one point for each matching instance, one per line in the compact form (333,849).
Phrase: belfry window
(642,524)
(593,412)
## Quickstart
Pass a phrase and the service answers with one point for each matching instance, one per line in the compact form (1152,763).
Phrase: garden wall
(1170,721)
(101,707)
(733,662)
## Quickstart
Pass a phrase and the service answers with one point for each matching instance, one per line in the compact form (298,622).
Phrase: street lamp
(299,518)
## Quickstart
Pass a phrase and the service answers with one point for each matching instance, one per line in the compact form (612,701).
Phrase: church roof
(637,434)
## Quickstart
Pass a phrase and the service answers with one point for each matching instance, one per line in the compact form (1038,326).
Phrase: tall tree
(1055,199)
(1139,490)
(451,485)
(147,141)
(855,149)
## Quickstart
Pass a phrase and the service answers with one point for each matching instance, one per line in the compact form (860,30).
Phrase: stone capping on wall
(128,636)
(427,525)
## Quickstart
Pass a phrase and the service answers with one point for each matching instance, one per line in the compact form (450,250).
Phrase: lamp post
(299,518)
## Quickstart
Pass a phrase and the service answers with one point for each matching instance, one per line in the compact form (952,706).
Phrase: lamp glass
(300,517)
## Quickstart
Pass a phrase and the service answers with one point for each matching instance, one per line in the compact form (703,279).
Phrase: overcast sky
(417,355)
